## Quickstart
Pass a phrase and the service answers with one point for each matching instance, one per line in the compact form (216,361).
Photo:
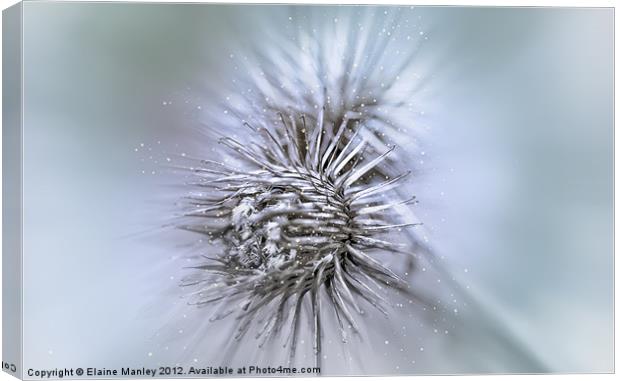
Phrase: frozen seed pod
(299,219)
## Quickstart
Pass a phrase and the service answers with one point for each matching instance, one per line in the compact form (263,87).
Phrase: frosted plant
(301,209)
(298,220)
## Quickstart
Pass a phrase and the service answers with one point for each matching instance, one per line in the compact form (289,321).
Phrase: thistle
(302,219)
(297,211)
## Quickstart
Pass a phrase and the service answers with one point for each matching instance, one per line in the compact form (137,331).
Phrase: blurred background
(514,146)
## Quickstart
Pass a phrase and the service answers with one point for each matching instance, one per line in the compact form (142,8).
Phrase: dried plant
(301,210)
(299,219)
(303,207)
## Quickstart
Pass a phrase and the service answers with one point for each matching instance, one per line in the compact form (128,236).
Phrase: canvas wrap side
(12,190)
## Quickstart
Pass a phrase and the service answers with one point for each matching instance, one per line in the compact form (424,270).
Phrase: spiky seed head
(299,220)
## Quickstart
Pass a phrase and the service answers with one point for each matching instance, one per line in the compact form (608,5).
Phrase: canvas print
(235,190)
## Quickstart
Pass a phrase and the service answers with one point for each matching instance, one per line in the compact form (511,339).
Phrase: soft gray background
(516,189)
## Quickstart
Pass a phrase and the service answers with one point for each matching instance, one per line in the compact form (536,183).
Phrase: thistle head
(301,218)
